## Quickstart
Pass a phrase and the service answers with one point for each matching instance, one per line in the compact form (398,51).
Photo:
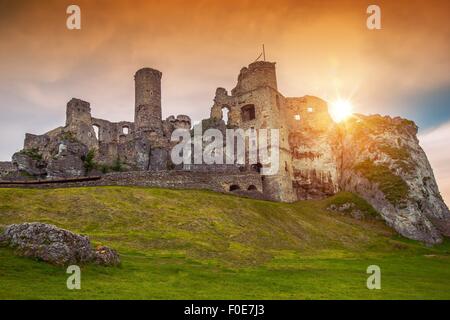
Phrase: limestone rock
(378,158)
(29,162)
(383,162)
(351,209)
(68,161)
(106,256)
(6,169)
(54,245)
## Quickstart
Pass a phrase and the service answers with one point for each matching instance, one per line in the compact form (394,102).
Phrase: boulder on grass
(55,245)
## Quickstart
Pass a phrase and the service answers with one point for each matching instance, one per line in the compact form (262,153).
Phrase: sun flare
(341,110)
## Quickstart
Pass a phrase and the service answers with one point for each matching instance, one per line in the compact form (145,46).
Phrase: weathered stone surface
(219,181)
(68,162)
(30,163)
(375,157)
(351,209)
(106,256)
(54,245)
(383,162)
(6,168)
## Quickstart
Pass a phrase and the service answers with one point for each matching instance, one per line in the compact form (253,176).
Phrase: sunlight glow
(340,110)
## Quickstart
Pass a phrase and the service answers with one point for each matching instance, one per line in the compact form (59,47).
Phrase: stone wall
(248,183)
(6,168)
(257,74)
(113,132)
(314,143)
(255,103)
(317,157)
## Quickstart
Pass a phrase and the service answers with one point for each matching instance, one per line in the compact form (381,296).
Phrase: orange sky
(321,48)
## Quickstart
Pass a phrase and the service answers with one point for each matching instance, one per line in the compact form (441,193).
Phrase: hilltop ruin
(377,157)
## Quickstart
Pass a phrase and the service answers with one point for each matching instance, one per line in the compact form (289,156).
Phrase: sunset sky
(321,48)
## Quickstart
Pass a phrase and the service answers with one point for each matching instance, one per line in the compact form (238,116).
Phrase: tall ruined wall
(79,123)
(109,132)
(384,163)
(114,142)
(257,74)
(314,144)
(255,103)
(376,157)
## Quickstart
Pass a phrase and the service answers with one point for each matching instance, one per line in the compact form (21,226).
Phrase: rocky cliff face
(383,162)
(58,155)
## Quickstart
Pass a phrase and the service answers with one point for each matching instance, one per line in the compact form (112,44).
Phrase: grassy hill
(187,244)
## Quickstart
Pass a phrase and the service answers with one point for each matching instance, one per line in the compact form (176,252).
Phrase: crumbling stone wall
(314,144)
(255,103)
(317,157)
(140,145)
(113,132)
(79,122)
(247,183)
(6,168)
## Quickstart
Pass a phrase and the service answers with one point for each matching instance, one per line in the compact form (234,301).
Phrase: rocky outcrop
(68,160)
(351,209)
(54,245)
(30,162)
(312,141)
(383,162)
(378,158)
(6,168)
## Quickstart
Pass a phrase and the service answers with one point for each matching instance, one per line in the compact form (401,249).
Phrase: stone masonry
(379,158)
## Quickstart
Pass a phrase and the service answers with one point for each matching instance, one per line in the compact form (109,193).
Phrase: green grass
(394,187)
(188,244)
(32,153)
(401,156)
(395,153)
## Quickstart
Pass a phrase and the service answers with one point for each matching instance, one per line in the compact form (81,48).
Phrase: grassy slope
(185,244)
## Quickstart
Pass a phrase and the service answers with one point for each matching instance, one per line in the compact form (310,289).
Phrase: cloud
(321,48)
(435,144)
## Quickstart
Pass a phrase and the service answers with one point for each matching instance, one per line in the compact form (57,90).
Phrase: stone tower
(148,115)
(258,74)
(255,103)
(79,122)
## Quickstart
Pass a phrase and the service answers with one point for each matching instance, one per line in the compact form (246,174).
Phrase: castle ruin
(317,157)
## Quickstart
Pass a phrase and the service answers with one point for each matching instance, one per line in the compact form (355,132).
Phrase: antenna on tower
(262,54)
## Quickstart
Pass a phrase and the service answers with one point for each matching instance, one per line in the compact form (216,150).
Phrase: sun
(341,110)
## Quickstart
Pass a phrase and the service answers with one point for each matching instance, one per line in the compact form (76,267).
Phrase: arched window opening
(248,112)
(125,130)
(234,187)
(225,114)
(252,187)
(96,131)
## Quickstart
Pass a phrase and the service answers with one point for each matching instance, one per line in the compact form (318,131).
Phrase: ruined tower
(79,122)
(257,74)
(256,103)
(148,115)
